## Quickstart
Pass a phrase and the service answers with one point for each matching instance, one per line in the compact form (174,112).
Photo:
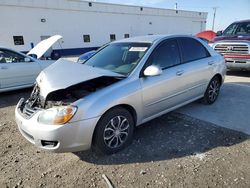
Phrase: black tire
(107,129)
(212,91)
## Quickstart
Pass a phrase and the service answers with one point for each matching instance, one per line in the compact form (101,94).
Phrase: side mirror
(152,70)
(26,59)
(219,33)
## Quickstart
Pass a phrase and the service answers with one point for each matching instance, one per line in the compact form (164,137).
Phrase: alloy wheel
(213,90)
(116,132)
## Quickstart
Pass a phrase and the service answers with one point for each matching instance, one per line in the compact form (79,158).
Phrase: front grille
(29,112)
(30,107)
(232,49)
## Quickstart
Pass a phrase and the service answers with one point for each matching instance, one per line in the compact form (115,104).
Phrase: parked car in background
(18,70)
(99,103)
(234,44)
(208,36)
(84,57)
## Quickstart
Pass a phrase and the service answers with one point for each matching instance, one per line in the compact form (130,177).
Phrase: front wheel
(212,91)
(114,131)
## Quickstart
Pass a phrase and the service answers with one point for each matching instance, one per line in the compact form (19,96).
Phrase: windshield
(121,58)
(238,29)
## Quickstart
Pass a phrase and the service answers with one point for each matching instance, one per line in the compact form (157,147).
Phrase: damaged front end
(64,97)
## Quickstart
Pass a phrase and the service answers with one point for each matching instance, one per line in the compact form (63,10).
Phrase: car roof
(4,48)
(242,21)
(149,38)
(146,39)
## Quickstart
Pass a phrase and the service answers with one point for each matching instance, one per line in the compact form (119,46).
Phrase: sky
(228,11)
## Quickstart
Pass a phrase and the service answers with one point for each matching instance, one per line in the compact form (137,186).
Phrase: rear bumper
(238,63)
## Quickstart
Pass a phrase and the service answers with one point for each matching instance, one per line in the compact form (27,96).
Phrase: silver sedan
(126,83)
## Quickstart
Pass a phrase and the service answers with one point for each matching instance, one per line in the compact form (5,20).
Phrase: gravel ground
(171,151)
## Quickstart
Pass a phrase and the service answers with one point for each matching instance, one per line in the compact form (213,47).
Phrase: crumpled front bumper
(70,137)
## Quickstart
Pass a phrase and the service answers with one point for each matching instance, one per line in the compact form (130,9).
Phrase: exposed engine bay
(68,95)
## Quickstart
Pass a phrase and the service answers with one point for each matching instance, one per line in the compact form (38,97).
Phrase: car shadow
(169,137)
(12,97)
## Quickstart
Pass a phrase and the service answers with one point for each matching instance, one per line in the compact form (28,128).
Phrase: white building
(84,25)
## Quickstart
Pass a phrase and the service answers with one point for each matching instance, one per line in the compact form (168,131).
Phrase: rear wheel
(212,91)
(114,131)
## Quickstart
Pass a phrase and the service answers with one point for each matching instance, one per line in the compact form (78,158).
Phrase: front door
(162,92)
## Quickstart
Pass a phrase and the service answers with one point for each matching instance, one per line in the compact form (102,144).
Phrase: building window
(18,40)
(141,8)
(112,37)
(86,38)
(126,35)
(90,4)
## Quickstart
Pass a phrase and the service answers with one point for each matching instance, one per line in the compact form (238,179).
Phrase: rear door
(14,71)
(196,67)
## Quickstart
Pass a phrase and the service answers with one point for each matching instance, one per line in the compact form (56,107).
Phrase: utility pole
(215,9)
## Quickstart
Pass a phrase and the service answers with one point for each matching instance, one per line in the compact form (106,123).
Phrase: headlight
(57,115)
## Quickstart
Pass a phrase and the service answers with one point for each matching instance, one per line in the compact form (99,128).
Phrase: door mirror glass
(153,70)
(26,59)
(219,33)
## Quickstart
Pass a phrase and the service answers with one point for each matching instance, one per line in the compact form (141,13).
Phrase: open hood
(42,47)
(63,74)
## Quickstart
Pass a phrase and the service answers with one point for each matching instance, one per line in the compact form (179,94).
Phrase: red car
(207,36)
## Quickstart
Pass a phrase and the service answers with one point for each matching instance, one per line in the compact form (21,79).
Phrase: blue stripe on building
(74,51)
(71,51)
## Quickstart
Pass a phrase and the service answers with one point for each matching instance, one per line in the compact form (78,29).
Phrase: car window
(238,29)
(7,56)
(192,50)
(166,55)
(230,30)
(121,58)
(243,29)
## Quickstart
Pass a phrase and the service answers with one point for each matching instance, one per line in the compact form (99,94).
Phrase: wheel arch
(128,107)
(218,75)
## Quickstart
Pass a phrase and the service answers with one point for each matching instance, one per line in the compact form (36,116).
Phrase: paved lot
(232,108)
(175,150)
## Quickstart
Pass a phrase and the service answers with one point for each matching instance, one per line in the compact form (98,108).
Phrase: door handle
(210,62)
(4,67)
(179,73)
